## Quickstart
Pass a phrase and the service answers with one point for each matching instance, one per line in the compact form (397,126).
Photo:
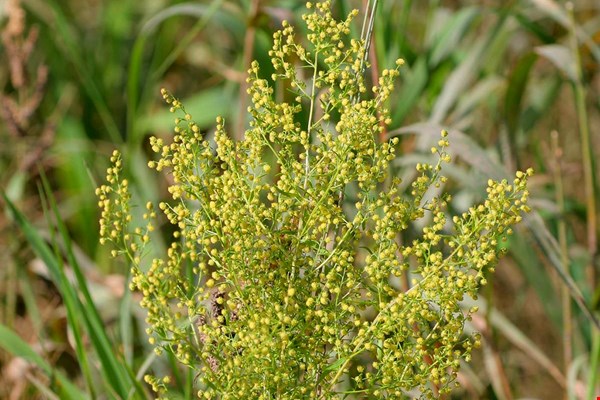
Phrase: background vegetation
(516,83)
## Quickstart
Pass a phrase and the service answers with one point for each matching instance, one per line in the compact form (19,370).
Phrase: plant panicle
(265,291)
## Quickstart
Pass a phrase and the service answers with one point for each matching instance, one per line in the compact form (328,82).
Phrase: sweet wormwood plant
(265,292)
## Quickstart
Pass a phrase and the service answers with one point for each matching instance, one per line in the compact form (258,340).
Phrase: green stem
(564,257)
(586,149)
(588,171)
(310,118)
(594,367)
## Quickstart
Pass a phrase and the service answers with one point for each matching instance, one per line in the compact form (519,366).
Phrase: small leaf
(336,365)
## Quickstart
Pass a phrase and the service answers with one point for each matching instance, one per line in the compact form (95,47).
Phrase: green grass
(499,78)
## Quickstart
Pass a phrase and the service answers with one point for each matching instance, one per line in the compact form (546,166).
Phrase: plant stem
(371,52)
(310,118)
(588,170)
(562,239)
(595,365)
(586,150)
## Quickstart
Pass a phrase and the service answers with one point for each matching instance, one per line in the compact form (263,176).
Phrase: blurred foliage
(80,78)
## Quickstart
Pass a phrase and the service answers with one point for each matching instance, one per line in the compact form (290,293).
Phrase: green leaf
(335,365)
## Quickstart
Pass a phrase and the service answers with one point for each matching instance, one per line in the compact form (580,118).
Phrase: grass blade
(560,56)
(574,385)
(56,270)
(118,374)
(462,146)
(517,83)
(513,334)
(451,34)
(594,365)
(13,344)
(560,15)
(78,312)
(539,233)
(466,72)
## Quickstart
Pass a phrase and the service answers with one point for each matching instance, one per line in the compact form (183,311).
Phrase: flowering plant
(284,277)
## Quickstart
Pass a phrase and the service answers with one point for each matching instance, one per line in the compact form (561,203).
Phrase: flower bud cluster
(267,290)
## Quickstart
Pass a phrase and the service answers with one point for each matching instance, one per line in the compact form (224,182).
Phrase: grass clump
(284,277)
